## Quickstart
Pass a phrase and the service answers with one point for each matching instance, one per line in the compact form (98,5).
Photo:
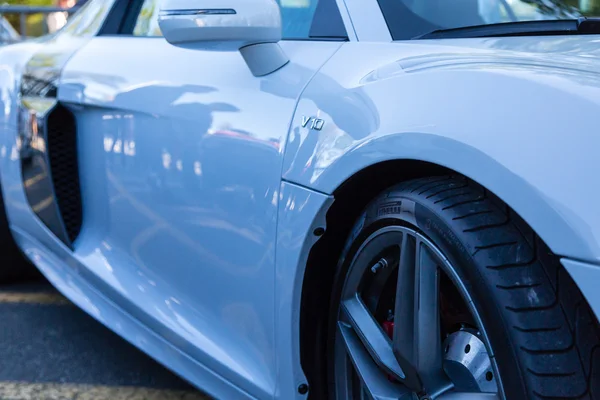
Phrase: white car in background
(345,199)
(8,34)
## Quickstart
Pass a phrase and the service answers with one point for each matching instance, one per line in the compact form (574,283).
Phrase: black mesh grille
(62,154)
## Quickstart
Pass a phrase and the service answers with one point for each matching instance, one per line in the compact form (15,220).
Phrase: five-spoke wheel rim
(407,357)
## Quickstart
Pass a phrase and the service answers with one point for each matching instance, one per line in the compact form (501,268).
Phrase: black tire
(14,267)
(546,338)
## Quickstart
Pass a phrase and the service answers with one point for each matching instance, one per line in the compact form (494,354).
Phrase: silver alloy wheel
(414,363)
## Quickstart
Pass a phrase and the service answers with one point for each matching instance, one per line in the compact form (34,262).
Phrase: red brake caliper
(388,328)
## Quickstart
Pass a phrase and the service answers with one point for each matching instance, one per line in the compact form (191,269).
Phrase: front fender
(519,122)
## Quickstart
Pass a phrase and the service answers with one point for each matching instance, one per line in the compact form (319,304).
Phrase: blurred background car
(24,19)
(8,34)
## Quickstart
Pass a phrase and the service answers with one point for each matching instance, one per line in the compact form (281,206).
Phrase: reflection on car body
(327,198)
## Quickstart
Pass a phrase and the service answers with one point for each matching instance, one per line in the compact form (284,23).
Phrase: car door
(180,161)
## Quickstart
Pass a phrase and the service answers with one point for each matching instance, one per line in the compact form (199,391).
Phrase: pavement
(51,350)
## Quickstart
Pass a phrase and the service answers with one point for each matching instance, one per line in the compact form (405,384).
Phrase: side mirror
(251,26)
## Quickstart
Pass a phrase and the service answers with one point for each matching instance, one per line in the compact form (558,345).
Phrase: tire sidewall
(417,215)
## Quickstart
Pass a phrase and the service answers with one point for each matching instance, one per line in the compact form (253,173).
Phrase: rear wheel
(442,292)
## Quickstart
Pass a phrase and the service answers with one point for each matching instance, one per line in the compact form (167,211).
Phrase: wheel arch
(341,216)
(350,199)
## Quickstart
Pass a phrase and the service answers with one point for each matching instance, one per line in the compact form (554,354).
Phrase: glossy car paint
(180,183)
(200,199)
(514,114)
(586,276)
(30,77)
(57,263)
(253,22)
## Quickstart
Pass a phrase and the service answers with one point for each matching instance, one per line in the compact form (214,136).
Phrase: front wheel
(444,293)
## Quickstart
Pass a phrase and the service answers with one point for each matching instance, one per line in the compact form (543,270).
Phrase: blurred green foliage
(35,22)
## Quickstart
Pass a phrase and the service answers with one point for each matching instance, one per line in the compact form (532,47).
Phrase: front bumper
(587,278)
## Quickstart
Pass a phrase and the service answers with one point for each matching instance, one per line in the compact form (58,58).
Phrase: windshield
(410,18)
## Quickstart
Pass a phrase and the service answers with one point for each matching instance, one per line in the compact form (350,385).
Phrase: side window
(146,23)
(301,19)
(297,16)
(311,19)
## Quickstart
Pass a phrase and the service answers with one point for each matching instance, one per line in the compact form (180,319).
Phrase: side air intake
(64,168)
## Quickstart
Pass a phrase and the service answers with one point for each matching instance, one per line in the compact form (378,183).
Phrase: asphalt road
(50,350)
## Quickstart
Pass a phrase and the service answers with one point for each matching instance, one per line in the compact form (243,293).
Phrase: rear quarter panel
(517,115)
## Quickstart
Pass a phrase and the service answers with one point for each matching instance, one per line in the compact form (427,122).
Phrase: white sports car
(344,199)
